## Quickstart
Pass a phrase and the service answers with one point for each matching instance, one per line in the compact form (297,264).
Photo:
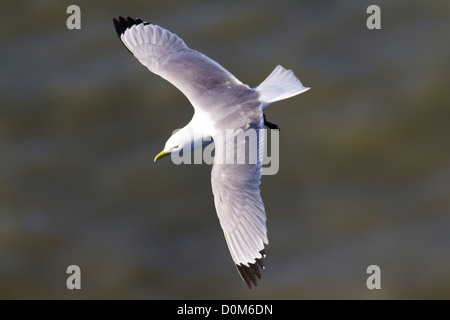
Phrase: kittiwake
(221,103)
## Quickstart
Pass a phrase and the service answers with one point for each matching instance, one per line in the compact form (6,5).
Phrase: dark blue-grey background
(364,158)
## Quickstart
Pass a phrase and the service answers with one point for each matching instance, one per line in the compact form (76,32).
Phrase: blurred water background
(364,158)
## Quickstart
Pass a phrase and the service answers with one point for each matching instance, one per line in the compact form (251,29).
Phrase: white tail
(280,84)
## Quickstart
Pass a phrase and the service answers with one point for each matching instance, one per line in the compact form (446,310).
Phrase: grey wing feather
(165,54)
(239,205)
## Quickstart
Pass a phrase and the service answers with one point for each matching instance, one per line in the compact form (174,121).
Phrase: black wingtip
(270,125)
(251,272)
(118,27)
(121,24)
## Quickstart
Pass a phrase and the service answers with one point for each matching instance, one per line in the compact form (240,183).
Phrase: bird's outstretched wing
(238,201)
(165,54)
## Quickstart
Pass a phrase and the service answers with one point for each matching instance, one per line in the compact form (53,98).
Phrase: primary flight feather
(221,103)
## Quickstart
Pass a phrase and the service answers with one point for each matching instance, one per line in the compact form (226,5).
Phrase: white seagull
(221,102)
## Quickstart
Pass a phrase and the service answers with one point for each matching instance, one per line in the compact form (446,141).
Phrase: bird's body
(222,105)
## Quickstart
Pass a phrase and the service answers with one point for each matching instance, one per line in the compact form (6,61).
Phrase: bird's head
(180,140)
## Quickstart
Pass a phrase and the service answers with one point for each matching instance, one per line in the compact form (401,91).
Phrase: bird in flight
(222,104)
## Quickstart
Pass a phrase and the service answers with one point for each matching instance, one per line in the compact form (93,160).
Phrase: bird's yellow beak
(160,155)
